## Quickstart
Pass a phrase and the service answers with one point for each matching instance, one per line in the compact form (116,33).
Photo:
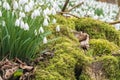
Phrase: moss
(46,75)
(84,77)
(110,67)
(68,56)
(97,29)
(102,47)
(68,22)
(63,63)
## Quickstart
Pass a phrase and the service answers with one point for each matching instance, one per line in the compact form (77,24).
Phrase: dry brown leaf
(9,72)
(1,78)
(24,66)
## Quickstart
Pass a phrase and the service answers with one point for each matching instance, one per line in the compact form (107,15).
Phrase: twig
(65,5)
(115,54)
(115,22)
(75,6)
(69,14)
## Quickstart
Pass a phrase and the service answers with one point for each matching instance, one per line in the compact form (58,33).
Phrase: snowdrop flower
(35,14)
(6,5)
(22,2)
(15,5)
(53,11)
(46,17)
(26,26)
(0,14)
(58,28)
(95,17)
(47,11)
(27,8)
(45,40)
(45,23)
(41,30)
(35,32)
(54,21)
(22,24)
(17,22)
(117,26)
(3,23)
(31,4)
(55,5)
(22,14)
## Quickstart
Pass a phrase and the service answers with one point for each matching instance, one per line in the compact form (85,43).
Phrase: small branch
(65,5)
(75,6)
(69,14)
(115,54)
(115,22)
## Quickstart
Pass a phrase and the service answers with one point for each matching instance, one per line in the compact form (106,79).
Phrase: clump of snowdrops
(23,26)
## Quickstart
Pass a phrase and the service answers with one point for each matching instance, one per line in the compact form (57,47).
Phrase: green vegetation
(97,29)
(110,67)
(102,47)
(63,64)
(69,58)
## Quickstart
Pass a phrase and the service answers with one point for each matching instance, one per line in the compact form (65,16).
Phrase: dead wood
(65,5)
(68,14)
(75,6)
(115,22)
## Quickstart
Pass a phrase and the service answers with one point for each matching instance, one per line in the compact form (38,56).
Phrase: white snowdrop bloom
(95,17)
(45,23)
(46,17)
(45,40)
(53,11)
(22,2)
(47,11)
(31,4)
(22,14)
(17,22)
(35,32)
(6,5)
(27,8)
(0,14)
(3,23)
(54,21)
(41,30)
(22,24)
(117,26)
(35,14)
(15,5)
(26,26)
(57,28)
(55,5)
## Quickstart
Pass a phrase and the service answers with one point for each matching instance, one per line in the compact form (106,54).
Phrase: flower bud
(45,40)
(41,30)
(0,14)
(45,23)
(58,28)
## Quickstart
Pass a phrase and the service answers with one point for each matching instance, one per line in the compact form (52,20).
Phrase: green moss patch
(97,29)
(102,47)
